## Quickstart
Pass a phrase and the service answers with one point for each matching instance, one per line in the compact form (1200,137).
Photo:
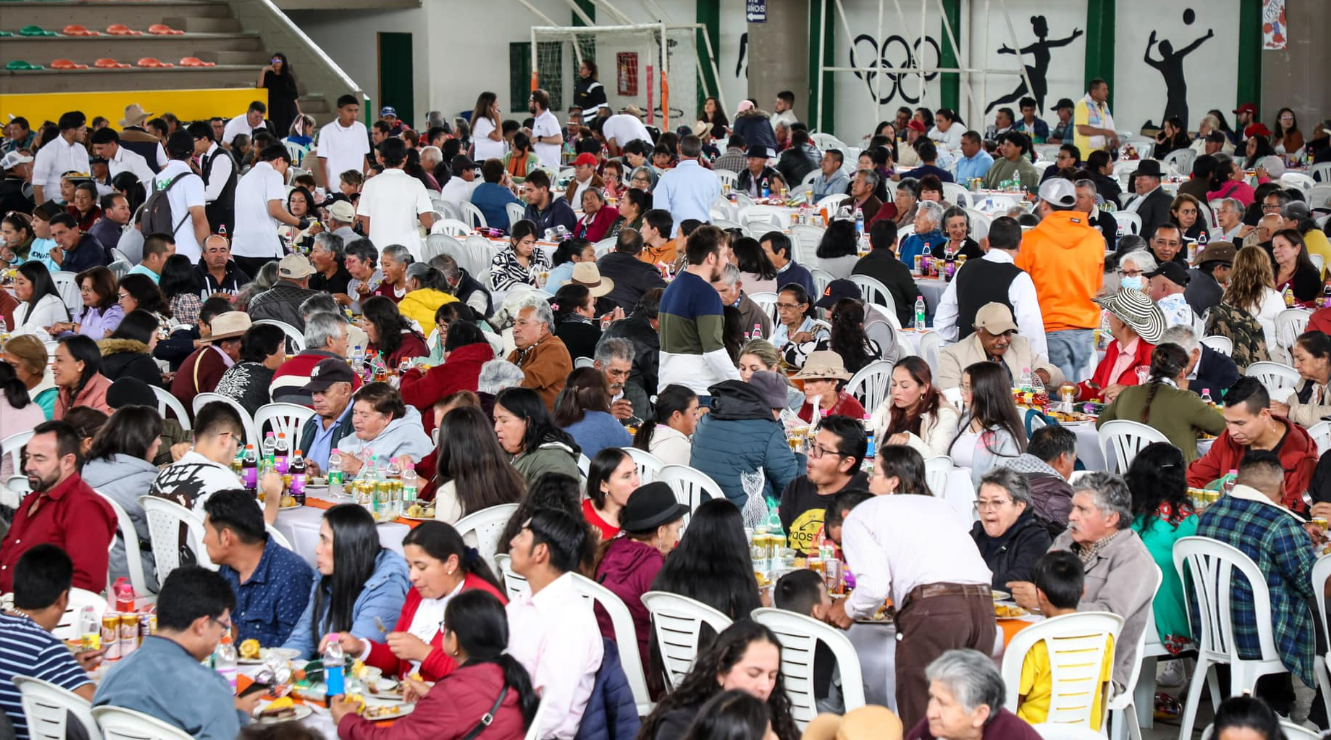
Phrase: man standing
(994,339)
(688,190)
(259,208)
(344,144)
(1152,202)
(1065,258)
(61,510)
(1062,132)
(835,456)
(1033,127)
(74,251)
(64,154)
(785,109)
(546,136)
(544,359)
(217,270)
(620,129)
(692,351)
(830,180)
(997,279)
(1094,126)
(1167,283)
(136,138)
(624,266)
(185,194)
(974,161)
(115,217)
(776,245)
(543,210)
(106,144)
(392,202)
(1013,164)
(282,301)
(217,167)
(249,123)
(730,287)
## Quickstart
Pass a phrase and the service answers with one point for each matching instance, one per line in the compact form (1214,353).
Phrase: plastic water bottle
(1206,397)
(1024,383)
(335,473)
(757,331)
(767,188)
(919,314)
(334,661)
(224,660)
(409,485)
(269,449)
(281,454)
(859,220)
(358,358)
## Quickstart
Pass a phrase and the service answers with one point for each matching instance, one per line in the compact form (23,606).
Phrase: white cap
(1058,191)
(14,159)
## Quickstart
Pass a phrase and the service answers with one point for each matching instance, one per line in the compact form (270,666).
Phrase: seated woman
(633,203)
(120,467)
(1186,213)
(758,355)
(128,352)
(384,425)
(1171,137)
(393,262)
(101,312)
(915,413)
(582,409)
(471,470)
(390,333)
(643,177)
(838,250)
(597,217)
(574,308)
(427,291)
(518,264)
(796,318)
(27,355)
(1164,405)
(847,338)
(262,351)
(931,188)
(712,562)
(84,206)
(1162,515)
(520,159)
(957,228)
(745,656)
(567,255)
(825,376)
(477,637)
(526,431)
(667,435)
(899,469)
(611,480)
(440,566)
(1136,323)
(755,267)
(1294,269)
(77,371)
(361,585)
(1251,291)
(465,349)
(1228,181)
(1311,403)
(1008,535)
(991,430)
(40,305)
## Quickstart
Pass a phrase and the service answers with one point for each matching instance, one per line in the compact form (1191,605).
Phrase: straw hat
(1138,311)
(135,115)
(701,129)
(587,275)
(823,365)
(866,722)
(228,325)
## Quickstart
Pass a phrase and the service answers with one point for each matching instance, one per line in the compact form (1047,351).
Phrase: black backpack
(157,216)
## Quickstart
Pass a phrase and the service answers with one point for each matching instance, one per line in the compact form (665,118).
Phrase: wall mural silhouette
(1037,72)
(1170,66)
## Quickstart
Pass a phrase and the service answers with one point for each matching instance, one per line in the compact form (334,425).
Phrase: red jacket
(599,226)
(449,711)
(411,346)
(459,373)
(1320,321)
(211,366)
(628,569)
(439,663)
(1093,389)
(1298,455)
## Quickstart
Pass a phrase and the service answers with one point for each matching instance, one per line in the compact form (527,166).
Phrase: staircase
(238,36)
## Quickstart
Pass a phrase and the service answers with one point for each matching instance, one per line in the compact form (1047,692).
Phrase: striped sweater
(692,319)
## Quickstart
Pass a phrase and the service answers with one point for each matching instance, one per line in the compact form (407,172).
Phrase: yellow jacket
(420,305)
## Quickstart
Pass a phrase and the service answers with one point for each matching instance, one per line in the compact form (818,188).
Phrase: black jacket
(1012,556)
(1154,211)
(128,358)
(632,277)
(883,266)
(1108,189)
(646,349)
(1216,372)
(281,303)
(756,128)
(795,164)
(1203,292)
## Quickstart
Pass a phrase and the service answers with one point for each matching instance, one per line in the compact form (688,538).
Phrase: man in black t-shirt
(835,455)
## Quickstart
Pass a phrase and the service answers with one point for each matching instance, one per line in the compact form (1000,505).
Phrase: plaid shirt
(1280,547)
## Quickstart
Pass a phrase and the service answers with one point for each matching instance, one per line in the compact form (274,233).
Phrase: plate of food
(281,710)
(288,502)
(376,712)
(1009,611)
(1000,595)
(249,653)
(385,689)
(419,512)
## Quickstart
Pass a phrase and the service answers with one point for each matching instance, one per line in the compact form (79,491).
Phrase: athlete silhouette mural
(1038,70)
(1170,66)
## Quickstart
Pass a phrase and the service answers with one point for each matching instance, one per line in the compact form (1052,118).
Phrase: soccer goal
(652,66)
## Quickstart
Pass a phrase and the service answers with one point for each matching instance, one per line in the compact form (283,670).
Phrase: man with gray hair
(464,287)
(966,693)
(1208,370)
(1229,215)
(628,400)
(928,232)
(1009,535)
(1121,577)
(544,359)
(327,257)
(730,286)
(341,219)
(862,194)
(326,335)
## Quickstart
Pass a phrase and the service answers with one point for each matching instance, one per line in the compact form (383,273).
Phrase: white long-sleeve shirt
(126,160)
(949,140)
(218,174)
(1021,294)
(54,160)
(33,319)
(553,634)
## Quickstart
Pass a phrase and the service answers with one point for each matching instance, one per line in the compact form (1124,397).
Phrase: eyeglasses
(1130,273)
(1270,207)
(224,625)
(816,452)
(123,296)
(991,505)
(788,306)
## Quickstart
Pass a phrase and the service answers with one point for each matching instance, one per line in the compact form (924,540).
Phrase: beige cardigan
(953,361)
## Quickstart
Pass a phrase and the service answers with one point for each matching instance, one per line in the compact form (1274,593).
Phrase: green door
(395,76)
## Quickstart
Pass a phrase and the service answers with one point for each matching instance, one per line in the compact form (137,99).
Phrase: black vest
(223,210)
(991,283)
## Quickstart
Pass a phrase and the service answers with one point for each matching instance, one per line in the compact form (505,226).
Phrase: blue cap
(387,110)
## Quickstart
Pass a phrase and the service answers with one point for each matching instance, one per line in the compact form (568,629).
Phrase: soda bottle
(335,473)
(757,331)
(249,469)
(1024,381)
(224,660)
(919,314)
(297,470)
(333,661)
(1041,395)
(859,220)
(1227,483)
(767,188)
(281,454)
(1206,397)
(1289,298)
(269,448)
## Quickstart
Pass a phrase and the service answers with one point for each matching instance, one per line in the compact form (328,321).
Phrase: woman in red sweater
(442,566)
(390,333)
(486,684)
(465,351)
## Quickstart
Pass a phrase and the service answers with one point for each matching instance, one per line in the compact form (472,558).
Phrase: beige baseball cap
(995,318)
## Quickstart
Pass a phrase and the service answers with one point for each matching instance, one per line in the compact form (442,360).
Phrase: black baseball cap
(1173,272)
(130,392)
(835,291)
(649,507)
(327,372)
(1064,103)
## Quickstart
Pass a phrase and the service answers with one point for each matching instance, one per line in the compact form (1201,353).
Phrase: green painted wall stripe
(1100,15)
(588,7)
(950,85)
(708,13)
(1250,53)
(826,118)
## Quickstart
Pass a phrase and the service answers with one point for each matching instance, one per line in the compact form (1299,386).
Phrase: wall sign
(1273,24)
(755,11)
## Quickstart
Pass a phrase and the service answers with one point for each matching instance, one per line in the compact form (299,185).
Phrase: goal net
(654,67)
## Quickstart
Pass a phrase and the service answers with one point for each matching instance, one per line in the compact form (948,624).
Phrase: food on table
(421,511)
(288,501)
(415,676)
(249,649)
(283,708)
(1009,611)
(358,701)
(382,712)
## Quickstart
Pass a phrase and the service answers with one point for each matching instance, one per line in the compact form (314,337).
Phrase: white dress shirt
(54,160)
(1021,294)
(949,140)
(218,174)
(393,201)
(688,191)
(256,229)
(623,128)
(126,160)
(458,191)
(895,543)
(186,193)
(546,125)
(554,636)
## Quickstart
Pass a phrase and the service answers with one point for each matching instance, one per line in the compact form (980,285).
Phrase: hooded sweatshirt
(129,358)
(1065,257)
(1050,493)
(740,436)
(404,436)
(1297,452)
(627,569)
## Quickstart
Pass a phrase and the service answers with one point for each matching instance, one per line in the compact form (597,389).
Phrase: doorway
(396,78)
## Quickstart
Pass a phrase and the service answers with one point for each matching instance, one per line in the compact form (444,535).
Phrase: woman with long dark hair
(848,338)
(78,374)
(755,267)
(528,433)
(280,82)
(487,138)
(566,256)
(128,352)
(582,409)
(1294,268)
(711,113)
(139,291)
(611,478)
(991,428)
(746,656)
(181,287)
(472,471)
(899,469)
(667,435)
(389,333)
(18,412)
(550,491)
(1246,718)
(441,566)
(1164,405)
(16,238)
(1258,148)
(519,263)
(487,690)
(1286,137)
(262,350)
(1162,514)
(838,250)
(735,714)
(40,304)
(712,562)
(574,308)
(361,584)
(100,315)
(120,466)
(1228,181)
(915,412)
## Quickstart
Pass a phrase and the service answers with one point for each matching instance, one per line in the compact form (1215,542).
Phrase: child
(839,509)
(350,183)
(803,592)
(1059,579)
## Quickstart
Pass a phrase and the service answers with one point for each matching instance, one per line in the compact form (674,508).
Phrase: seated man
(271,583)
(552,631)
(1253,519)
(995,340)
(1120,574)
(1250,425)
(492,198)
(804,592)
(1047,464)
(628,398)
(544,359)
(835,456)
(282,301)
(166,678)
(61,510)
(219,350)
(327,336)
(1167,285)
(42,580)
(631,275)
(1208,370)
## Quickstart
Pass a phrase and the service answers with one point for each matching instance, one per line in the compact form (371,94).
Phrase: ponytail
(1167,361)
(517,678)
(673,398)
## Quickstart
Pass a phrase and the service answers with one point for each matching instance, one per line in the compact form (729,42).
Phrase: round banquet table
(301,526)
(932,290)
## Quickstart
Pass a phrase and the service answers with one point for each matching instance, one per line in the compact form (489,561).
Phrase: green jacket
(551,457)
(1171,613)
(1179,415)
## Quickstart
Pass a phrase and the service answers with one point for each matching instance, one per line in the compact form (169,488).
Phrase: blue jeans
(1069,351)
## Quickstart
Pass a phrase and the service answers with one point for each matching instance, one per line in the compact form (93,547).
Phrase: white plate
(302,712)
(284,653)
(418,518)
(402,711)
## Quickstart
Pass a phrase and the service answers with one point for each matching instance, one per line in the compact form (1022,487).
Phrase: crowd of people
(198,250)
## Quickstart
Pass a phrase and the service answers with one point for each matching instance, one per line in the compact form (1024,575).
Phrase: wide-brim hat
(343,211)
(1148,168)
(823,365)
(135,115)
(589,276)
(228,325)
(632,110)
(649,507)
(701,128)
(1138,311)
(1216,252)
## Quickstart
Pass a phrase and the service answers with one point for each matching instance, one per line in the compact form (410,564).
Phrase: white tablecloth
(932,290)
(301,528)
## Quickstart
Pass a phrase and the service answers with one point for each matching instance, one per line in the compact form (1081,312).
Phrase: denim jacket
(382,596)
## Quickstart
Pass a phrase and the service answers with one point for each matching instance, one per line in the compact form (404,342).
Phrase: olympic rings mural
(896,57)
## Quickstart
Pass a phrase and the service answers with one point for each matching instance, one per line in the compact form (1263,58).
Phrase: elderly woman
(544,359)
(1008,535)
(966,695)
(957,227)
(825,376)
(643,178)
(796,318)
(385,425)
(1209,123)
(1311,402)
(597,217)
(1136,324)
(393,262)
(527,432)
(928,232)
(904,203)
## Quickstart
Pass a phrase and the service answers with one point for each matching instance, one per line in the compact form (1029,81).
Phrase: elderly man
(462,286)
(218,350)
(1120,574)
(217,271)
(628,399)
(1229,215)
(1047,464)
(1012,164)
(993,278)
(1166,286)
(544,359)
(361,260)
(326,336)
(928,232)
(995,339)
(1210,274)
(330,386)
(282,301)
(757,175)
(966,696)
(830,180)
(1087,203)
(730,286)
(1267,226)
(327,257)
(624,266)
(1152,202)
(341,219)
(1208,370)
(584,177)
(861,195)
(640,328)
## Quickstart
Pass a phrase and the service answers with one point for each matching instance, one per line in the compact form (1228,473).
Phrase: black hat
(1148,168)
(327,372)
(835,291)
(130,392)
(1064,103)
(462,162)
(649,507)
(1173,272)
(757,150)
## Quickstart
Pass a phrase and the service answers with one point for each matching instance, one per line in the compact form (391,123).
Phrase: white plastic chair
(676,622)
(452,227)
(439,243)
(68,628)
(826,141)
(831,203)
(482,530)
(48,708)
(68,288)
(1298,180)
(12,447)
(119,268)
(1180,161)
(278,537)
(1066,732)
(649,465)
(873,291)
(1128,222)
(1121,708)
(282,418)
(956,194)
(295,337)
(870,385)
(930,344)
(626,637)
(1279,379)
(534,732)
(167,402)
(953,396)
(1290,323)
(1126,439)
(726,177)
(936,471)
(1078,648)
(821,278)
(1321,434)
(515,586)
(165,520)
(1223,345)
(799,637)
(691,487)
(133,556)
(767,302)
(15,488)
(117,723)
(472,215)
(804,239)
(763,217)
(606,246)
(516,212)
(251,434)
(1321,172)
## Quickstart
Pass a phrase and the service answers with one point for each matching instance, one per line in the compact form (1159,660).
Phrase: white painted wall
(350,38)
